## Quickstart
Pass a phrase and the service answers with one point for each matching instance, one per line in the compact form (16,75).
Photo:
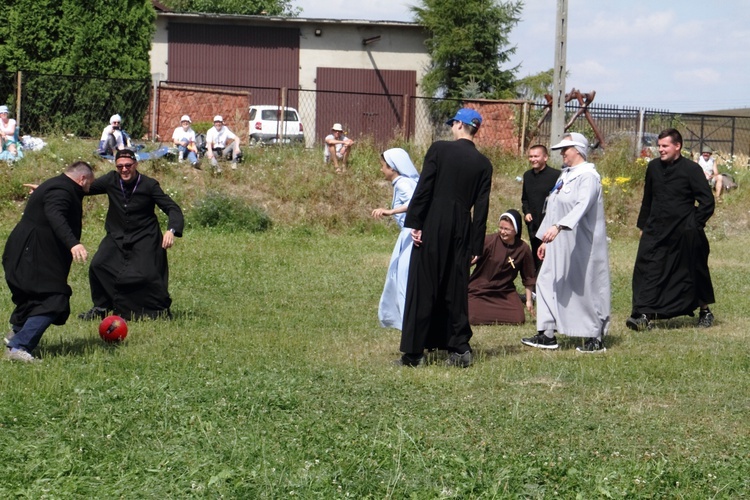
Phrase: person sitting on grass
(492,294)
(337,148)
(8,136)
(222,142)
(113,137)
(184,138)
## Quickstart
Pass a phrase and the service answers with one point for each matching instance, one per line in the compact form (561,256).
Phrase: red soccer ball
(113,329)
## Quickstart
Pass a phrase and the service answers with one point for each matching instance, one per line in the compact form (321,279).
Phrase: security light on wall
(318,32)
(372,39)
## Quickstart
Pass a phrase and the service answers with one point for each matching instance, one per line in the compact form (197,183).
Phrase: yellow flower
(622,180)
(606,181)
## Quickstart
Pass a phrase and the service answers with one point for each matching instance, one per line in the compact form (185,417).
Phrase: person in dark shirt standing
(538,181)
(447,240)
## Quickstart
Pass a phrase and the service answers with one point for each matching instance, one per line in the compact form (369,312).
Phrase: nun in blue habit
(397,168)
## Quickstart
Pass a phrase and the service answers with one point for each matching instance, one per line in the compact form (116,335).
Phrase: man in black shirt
(537,183)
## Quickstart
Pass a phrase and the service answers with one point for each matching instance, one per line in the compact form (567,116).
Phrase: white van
(267,126)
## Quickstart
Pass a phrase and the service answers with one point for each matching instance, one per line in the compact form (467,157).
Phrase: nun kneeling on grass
(573,287)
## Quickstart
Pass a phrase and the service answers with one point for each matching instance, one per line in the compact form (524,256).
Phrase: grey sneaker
(592,345)
(460,360)
(705,318)
(14,354)
(234,165)
(639,323)
(541,341)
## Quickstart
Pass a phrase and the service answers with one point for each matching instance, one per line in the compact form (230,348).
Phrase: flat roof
(197,16)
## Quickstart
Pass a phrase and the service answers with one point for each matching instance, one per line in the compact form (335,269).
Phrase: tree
(534,87)
(87,55)
(246,7)
(78,37)
(468,44)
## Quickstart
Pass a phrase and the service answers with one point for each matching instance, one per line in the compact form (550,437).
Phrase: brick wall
(201,105)
(499,128)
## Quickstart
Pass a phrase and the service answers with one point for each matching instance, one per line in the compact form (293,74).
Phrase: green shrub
(234,214)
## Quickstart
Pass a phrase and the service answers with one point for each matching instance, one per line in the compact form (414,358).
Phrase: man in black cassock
(447,240)
(38,255)
(671,276)
(129,275)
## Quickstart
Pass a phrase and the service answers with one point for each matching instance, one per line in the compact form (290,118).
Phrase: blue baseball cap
(467,116)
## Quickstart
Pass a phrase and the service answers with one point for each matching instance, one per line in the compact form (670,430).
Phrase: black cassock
(455,177)
(671,275)
(129,273)
(37,254)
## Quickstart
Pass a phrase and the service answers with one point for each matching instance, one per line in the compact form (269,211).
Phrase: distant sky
(679,55)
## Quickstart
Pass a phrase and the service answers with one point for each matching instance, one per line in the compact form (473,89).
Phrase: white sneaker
(15,354)
(234,166)
(9,336)
(180,157)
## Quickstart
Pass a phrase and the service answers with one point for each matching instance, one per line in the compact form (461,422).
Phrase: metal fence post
(19,79)
(154,106)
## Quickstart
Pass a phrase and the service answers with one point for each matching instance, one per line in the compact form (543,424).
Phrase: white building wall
(338,45)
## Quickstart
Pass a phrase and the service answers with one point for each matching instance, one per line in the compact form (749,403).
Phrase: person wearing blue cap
(455,179)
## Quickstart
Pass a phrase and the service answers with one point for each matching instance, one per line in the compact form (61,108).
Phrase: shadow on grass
(75,347)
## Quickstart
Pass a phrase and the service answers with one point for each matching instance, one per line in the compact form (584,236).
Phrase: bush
(233,214)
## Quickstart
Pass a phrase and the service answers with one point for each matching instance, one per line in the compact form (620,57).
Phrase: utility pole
(557,124)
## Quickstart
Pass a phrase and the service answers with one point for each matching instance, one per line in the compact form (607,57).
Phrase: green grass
(274,380)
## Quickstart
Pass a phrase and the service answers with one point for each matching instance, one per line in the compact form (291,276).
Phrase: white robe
(391,308)
(573,286)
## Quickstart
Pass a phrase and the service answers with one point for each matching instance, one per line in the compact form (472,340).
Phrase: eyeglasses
(120,166)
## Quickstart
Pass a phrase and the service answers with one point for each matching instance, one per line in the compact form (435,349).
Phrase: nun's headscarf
(515,218)
(399,160)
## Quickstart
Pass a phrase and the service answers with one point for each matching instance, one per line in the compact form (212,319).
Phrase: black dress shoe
(93,314)
(411,361)
(639,323)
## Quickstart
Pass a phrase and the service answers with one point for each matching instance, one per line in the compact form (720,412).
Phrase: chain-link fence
(82,105)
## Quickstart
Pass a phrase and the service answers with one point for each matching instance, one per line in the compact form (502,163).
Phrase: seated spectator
(337,147)
(711,171)
(113,137)
(492,294)
(184,138)
(221,141)
(8,134)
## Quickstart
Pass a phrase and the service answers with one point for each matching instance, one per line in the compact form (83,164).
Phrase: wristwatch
(559,227)
(171,230)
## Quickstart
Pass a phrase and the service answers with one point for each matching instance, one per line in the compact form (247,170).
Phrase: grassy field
(274,380)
